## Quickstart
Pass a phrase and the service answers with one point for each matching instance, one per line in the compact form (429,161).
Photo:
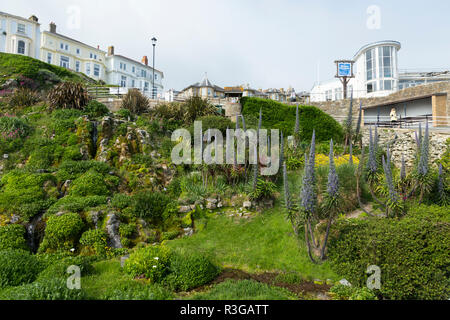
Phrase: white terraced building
(72,54)
(20,35)
(376,75)
(23,36)
(131,74)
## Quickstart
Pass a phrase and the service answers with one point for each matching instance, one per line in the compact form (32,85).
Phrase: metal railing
(437,122)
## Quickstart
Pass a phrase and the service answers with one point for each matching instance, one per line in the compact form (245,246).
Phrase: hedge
(412,252)
(280,116)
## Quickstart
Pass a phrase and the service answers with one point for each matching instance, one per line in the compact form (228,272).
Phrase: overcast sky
(264,43)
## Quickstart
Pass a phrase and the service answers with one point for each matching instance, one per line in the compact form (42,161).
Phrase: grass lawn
(264,243)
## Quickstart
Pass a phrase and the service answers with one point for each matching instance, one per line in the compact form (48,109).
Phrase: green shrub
(412,253)
(24,193)
(135,102)
(120,201)
(214,122)
(68,95)
(13,128)
(276,115)
(96,109)
(23,97)
(136,291)
(62,232)
(152,262)
(76,204)
(245,290)
(58,269)
(150,205)
(190,270)
(90,183)
(265,189)
(341,292)
(17,267)
(71,170)
(124,113)
(170,235)
(12,236)
(127,230)
(48,289)
(196,107)
(94,242)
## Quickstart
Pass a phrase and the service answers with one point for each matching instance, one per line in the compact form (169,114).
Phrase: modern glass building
(376,75)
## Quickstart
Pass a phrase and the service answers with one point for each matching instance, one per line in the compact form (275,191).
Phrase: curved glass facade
(380,69)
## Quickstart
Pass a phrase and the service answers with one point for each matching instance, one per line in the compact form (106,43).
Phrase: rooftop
(19,18)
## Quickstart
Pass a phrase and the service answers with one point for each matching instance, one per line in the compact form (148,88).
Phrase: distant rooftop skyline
(267,44)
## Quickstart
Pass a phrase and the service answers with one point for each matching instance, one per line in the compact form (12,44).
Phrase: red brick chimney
(145,60)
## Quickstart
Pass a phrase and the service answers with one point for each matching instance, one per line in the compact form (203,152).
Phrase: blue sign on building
(344,69)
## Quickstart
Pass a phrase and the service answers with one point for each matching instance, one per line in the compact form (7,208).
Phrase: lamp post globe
(153,78)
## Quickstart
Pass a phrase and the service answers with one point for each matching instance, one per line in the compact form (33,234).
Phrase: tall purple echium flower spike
(287,195)
(244,127)
(308,189)
(393,196)
(417,140)
(424,154)
(420,133)
(308,193)
(375,140)
(333,181)
(297,121)
(403,169)
(349,121)
(358,124)
(372,162)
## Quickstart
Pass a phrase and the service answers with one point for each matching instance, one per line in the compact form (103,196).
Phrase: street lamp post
(153,80)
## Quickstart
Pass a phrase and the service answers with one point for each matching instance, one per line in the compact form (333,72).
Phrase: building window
(385,62)
(133,69)
(61,46)
(21,47)
(370,64)
(96,70)
(132,83)
(49,58)
(371,87)
(67,47)
(64,62)
(21,28)
(78,51)
(386,85)
(123,81)
(146,86)
(156,76)
(77,66)
(143,74)
(88,69)
(328,95)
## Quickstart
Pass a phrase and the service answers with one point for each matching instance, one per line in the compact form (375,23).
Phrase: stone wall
(404,142)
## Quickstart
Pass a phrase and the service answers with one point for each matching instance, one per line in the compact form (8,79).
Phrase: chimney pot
(145,60)
(52,27)
(110,50)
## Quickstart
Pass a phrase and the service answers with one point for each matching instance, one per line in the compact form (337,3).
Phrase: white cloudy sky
(264,43)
